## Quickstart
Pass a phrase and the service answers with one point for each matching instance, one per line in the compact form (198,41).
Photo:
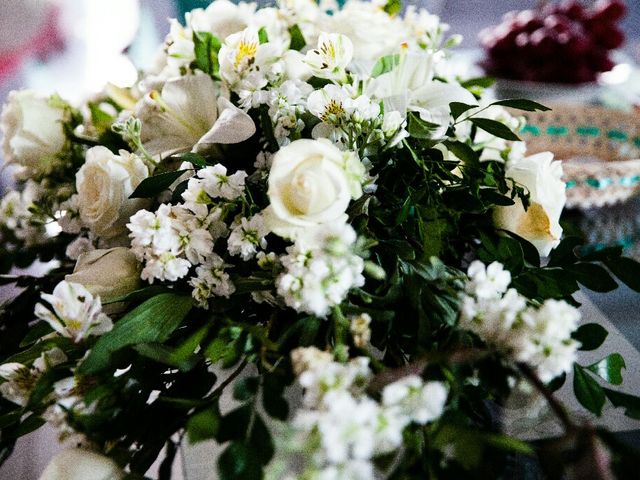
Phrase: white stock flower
(331,57)
(104,184)
(247,237)
(487,281)
(308,188)
(81,464)
(211,280)
(416,400)
(190,113)
(320,269)
(75,313)
(540,223)
(32,131)
(217,184)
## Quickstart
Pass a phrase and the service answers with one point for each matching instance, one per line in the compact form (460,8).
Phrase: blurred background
(74,47)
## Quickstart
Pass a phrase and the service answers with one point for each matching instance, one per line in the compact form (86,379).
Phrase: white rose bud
(539,224)
(81,464)
(32,131)
(104,184)
(308,187)
(109,274)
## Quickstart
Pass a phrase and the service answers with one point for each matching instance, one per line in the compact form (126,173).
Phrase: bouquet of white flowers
(295,195)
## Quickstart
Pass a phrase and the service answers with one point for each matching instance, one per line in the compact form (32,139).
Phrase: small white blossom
(487,282)
(331,57)
(247,237)
(211,280)
(75,313)
(217,184)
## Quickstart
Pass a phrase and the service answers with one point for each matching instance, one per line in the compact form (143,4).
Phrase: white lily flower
(191,114)
(331,57)
(76,313)
(331,104)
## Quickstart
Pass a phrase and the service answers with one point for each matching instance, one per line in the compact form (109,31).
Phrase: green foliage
(152,186)
(609,368)
(590,336)
(588,392)
(206,51)
(152,321)
(385,64)
(297,38)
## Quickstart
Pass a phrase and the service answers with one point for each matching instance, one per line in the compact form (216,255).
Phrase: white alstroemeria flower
(190,114)
(244,61)
(331,104)
(331,57)
(81,464)
(20,379)
(540,223)
(410,87)
(76,313)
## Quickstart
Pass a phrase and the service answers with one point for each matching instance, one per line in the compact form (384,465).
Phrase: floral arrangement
(308,208)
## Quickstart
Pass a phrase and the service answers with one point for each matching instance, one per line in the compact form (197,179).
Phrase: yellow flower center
(245,51)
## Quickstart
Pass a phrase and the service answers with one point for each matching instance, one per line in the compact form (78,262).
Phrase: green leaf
(495,128)
(153,321)
(609,368)
(590,336)
(203,425)
(263,36)
(630,403)
(458,108)
(385,64)
(418,128)
(141,295)
(593,276)
(297,39)
(36,332)
(627,270)
(393,7)
(272,401)
(246,388)
(483,82)
(194,158)
(261,441)
(588,392)
(522,104)
(152,186)
(463,151)
(206,48)
(237,462)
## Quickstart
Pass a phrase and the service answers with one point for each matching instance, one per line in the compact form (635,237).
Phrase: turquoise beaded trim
(602,183)
(581,131)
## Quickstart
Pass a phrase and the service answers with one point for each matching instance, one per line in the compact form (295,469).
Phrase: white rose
(222,18)
(371,30)
(308,187)
(32,131)
(540,223)
(81,464)
(109,274)
(104,184)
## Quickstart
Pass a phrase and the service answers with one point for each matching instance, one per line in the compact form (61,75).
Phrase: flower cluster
(341,429)
(311,174)
(538,335)
(320,270)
